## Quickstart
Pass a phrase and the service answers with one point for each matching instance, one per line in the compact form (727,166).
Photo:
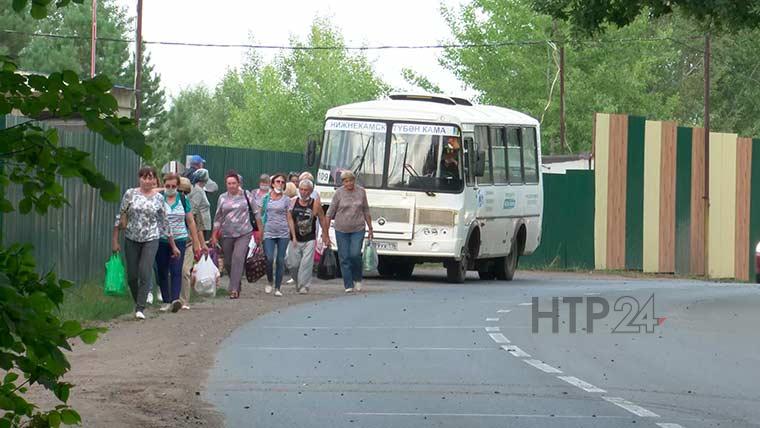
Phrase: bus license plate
(392,246)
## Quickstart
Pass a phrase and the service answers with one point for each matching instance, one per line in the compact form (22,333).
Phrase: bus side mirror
(480,164)
(310,156)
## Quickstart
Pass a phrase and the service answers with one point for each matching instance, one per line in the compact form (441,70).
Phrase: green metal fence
(567,235)
(250,163)
(75,241)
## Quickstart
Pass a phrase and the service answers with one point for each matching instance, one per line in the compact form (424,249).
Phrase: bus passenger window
(469,161)
(499,156)
(481,143)
(529,155)
(514,155)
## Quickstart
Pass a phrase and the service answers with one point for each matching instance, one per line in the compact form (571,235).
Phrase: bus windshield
(353,146)
(426,158)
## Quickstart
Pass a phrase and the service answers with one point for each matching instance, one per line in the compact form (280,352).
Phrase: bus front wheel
(506,266)
(456,270)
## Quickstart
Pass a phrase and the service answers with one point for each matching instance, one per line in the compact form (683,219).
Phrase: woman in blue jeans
(350,210)
(274,213)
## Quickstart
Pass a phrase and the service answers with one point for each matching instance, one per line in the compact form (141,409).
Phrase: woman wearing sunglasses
(274,214)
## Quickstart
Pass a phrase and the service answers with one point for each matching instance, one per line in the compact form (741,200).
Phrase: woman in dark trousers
(182,228)
(350,210)
(233,224)
(142,215)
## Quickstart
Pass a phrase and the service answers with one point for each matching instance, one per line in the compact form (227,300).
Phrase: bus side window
(498,155)
(530,155)
(469,161)
(481,144)
(514,155)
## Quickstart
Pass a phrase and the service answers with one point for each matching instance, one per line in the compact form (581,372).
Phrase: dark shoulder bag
(251,216)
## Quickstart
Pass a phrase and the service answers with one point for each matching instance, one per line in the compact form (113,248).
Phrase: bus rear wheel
(456,270)
(506,266)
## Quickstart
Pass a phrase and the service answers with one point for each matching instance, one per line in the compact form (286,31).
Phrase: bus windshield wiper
(364,156)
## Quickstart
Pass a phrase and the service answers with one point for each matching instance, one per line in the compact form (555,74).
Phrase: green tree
(187,122)
(32,337)
(153,101)
(45,55)
(595,16)
(646,68)
(287,100)
(414,78)
(11,44)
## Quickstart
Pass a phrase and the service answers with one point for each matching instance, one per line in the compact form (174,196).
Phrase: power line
(350,48)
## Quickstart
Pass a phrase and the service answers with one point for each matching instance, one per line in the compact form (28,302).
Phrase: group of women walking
(161,222)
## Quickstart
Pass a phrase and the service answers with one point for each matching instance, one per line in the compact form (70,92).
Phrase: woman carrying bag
(182,229)
(142,216)
(233,222)
(350,210)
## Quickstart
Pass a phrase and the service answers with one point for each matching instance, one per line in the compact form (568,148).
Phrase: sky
(274,22)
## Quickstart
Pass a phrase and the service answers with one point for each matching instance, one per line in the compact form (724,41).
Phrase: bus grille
(436,217)
(394,215)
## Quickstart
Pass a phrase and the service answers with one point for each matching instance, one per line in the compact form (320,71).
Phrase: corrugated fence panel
(74,240)
(683,200)
(567,238)
(601,165)
(743,193)
(754,207)
(698,236)
(634,202)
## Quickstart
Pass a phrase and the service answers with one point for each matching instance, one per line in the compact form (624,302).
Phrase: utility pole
(94,37)
(562,137)
(706,197)
(138,64)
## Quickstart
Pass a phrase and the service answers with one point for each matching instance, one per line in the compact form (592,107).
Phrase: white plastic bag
(206,275)
(251,248)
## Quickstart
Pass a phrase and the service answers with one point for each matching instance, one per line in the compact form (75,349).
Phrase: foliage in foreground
(32,336)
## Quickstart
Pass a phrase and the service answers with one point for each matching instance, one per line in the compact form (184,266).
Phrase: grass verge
(87,302)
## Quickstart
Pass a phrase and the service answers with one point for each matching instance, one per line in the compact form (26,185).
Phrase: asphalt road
(426,353)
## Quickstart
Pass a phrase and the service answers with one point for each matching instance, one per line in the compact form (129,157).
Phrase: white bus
(447,181)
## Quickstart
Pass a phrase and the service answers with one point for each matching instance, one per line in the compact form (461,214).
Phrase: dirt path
(150,373)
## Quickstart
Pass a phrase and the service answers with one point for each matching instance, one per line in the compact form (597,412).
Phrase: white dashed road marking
(526,304)
(492,319)
(572,380)
(486,415)
(668,425)
(499,338)
(543,366)
(492,329)
(592,294)
(504,311)
(631,407)
(514,350)
(359,348)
